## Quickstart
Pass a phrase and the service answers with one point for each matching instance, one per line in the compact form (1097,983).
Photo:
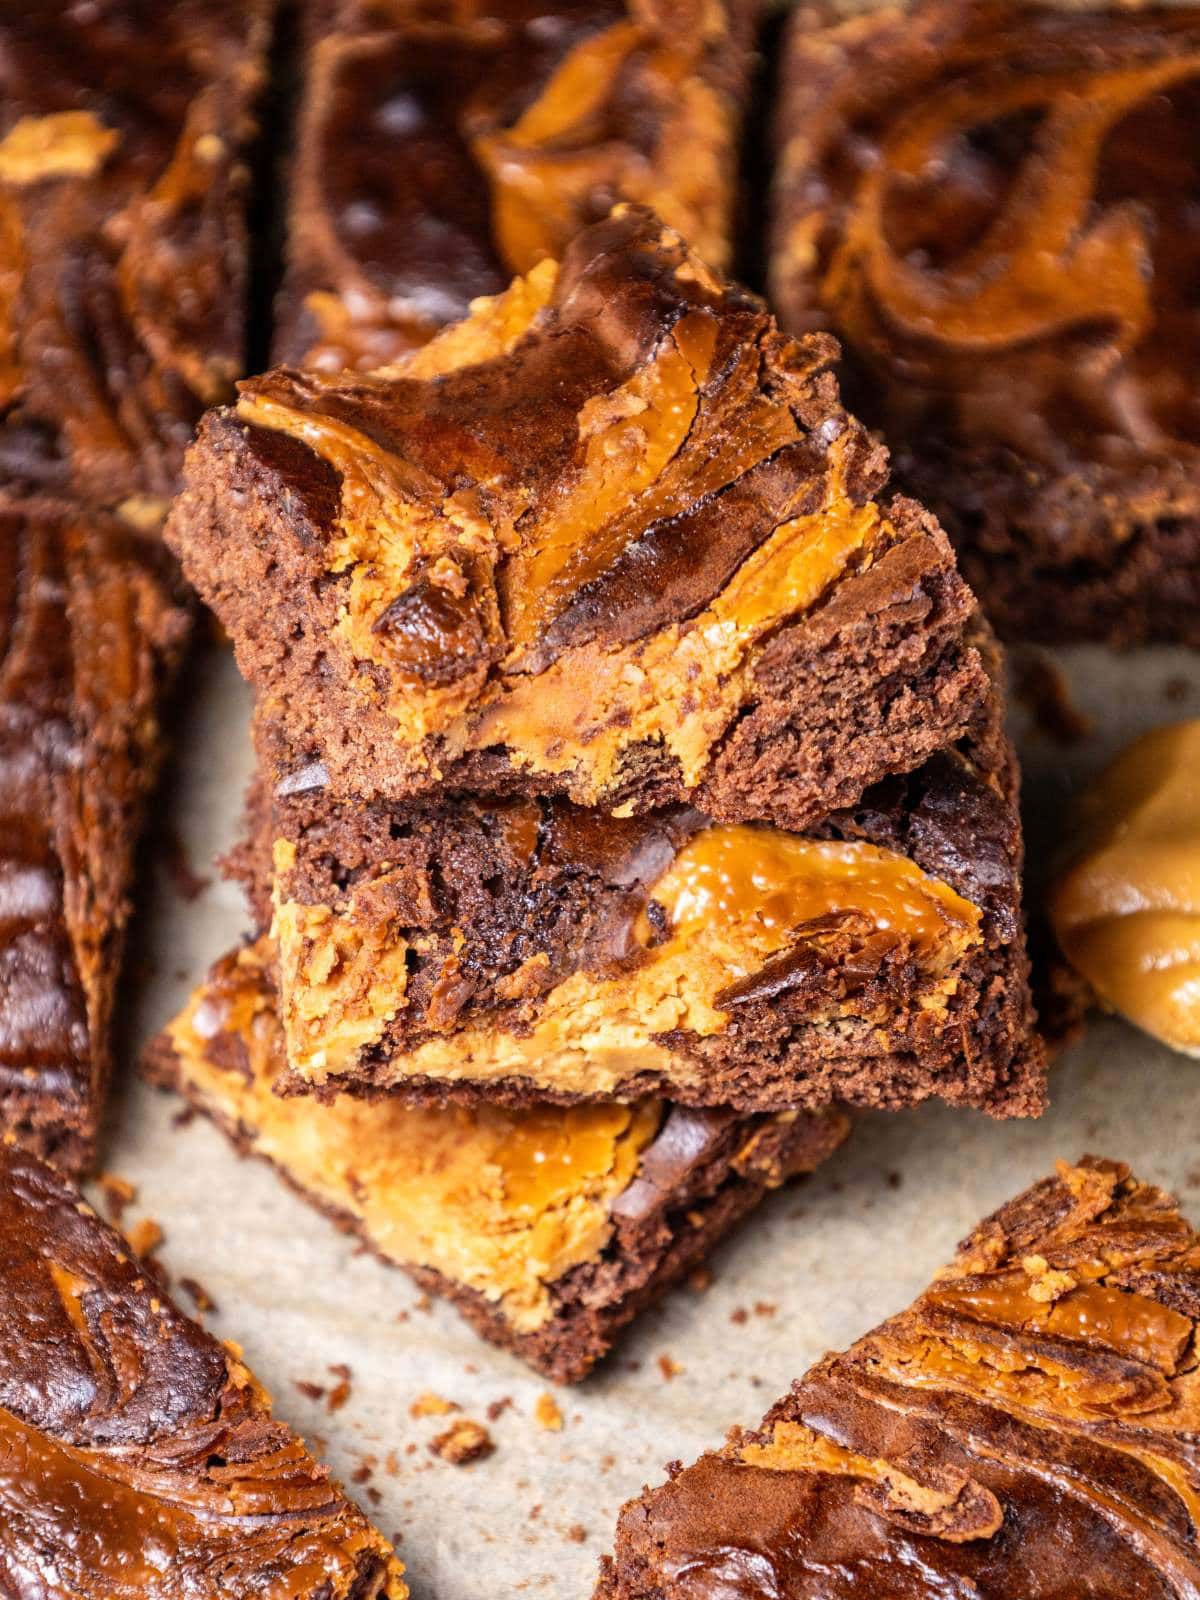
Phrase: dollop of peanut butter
(66,144)
(1127,908)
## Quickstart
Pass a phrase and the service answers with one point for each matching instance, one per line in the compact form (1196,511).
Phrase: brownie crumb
(739,1315)
(428,1404)
(497,1408)
(700,1279)
(184,1117)
(546,1413)
(118,1193)
(187,882)
(145,1237)
(464,1441)
(577,1533)
(340,1392)
(373,1495)
(310,1391)
(669,1367)
(765,1308)
(198,1294)
(1042,689)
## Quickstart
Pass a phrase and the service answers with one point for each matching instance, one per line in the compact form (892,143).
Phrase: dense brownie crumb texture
(993,207)
(513,949)
(549,1227)
(613,535)
(137,1454)
(1024,1431)
(442,151)
(124,135)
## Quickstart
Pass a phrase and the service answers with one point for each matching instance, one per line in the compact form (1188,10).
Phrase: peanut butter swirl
(996,212)
(137,1455)
(1025,1431)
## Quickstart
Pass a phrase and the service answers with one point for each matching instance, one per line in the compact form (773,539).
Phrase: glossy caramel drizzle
(729,876)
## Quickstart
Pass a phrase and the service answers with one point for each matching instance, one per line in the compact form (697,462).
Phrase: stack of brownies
(631,791)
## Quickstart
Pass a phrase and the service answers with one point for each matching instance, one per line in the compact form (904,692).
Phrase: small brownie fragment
(1024,1431)
(520,949)
(125,128)
(439,152)
(549,1227)
(138,1456)
(994,208)
(92,627)
(613,537)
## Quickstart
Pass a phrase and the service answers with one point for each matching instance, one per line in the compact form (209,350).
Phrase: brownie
(614,536)
(994,207)
(441,150)
(1024,1431)
(91,629)
(139,1455)
(548,1227)
(124,131)
(518,948)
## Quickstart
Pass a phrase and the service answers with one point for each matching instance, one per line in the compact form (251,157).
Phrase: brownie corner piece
(613,536)
(138,1453)
(590,1211)
(1012,287)
(1022,1429)
(92,627)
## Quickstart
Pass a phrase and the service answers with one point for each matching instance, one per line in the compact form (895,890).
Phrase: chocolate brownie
(139,1456)
(549,1227)
(442,150)
(91,629)
(124,130)
(613,536)
(524,948)
(994,207)
(1025,1431)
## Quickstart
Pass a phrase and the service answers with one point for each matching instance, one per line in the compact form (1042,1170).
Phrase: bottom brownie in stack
(1025,1431)
(516,949)
(550,1227)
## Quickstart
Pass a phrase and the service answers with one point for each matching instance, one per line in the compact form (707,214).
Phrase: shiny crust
(1056,434)
(1024,1431)
(398,216)
(704,1171)
(123,188)
(575,664)
(92,626)
(118,1414)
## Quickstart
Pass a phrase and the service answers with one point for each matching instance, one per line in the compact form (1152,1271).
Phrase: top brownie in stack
(614,536)
(442,149)
(994,207)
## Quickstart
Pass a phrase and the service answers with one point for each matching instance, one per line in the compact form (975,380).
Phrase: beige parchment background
(821,1262)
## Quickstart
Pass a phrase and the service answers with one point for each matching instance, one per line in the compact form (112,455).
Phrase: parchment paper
(816,1267)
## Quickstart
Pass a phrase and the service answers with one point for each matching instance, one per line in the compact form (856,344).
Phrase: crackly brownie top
(994,205)
(1126,905)
(122,127)
(1026,1431)
(621,451)
(138,1455)
(443,148)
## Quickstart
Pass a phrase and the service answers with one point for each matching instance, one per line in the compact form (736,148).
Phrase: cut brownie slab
(1026,1429)
(520,948)
(613,536)
(138,1456)
(548,1227)
(441,150)
(994,208)
(91,629)
(124,127)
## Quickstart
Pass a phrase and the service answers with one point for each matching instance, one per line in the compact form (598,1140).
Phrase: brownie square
(548,1227)
(613,536)
(125,128)
(138,1456)
(994,208)
(92,627)
(1024,1428)
(513,949)
(441,151)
